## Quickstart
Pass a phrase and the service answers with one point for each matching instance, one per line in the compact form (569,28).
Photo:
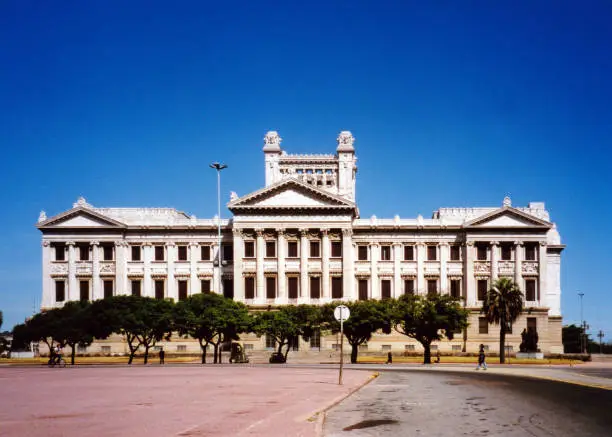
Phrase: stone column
(171,282)
(260,292)
(470,283)
(543,273)
(194,286)
(147,281)
(397,270)
(73,289)
(518,260)
(420,255)
(217,261)
(121,280)
(374,283)
(238,266)
(326,292)
(494,258)
(48,295)
(95,271)
(348,266)
(281,245)
(444,256)
(304,296)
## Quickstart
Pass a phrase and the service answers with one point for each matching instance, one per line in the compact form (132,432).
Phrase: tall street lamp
(582,333)
(218,166)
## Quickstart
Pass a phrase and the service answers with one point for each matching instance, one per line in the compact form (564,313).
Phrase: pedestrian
(162,355)
(481,359)
(438,357)
(389,358)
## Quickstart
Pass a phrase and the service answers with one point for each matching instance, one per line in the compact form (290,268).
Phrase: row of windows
(293,288)
(483,325)
(292,249)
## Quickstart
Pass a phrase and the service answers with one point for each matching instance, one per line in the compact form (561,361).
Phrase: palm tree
(503,304)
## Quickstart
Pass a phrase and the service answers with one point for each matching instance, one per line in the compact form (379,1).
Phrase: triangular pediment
(291,194)
(80,218)
(507,217)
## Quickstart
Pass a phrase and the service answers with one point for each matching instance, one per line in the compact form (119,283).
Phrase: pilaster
(194,287)
(260,292)
(326,294)
(95,271)
(238,267)
(171,282)
(397,270)
(73,290)
(147,281)
(444,256)
(48,298)
(494,258)
(348,267)
(374,283)
(304,295)
(420,256)
(121,280)
(281,246)
(518,260)
(470,283)
(543,274)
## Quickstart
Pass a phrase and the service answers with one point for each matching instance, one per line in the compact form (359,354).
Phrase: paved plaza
(156,401)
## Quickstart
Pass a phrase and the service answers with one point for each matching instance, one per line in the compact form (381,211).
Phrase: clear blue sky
(452,104)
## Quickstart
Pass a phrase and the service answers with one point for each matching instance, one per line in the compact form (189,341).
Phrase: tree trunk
(72,353)
(427,354)
(464,348)
(354,351)
(502,342)
(146,355)
(216,353)
(203,349)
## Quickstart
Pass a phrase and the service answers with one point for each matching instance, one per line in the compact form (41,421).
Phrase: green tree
(3,342)
(429,318)
(367,317)
(45,327)
(287,323)
(571,339)
(75,326)
(211,319)
(143,321)
(502,305)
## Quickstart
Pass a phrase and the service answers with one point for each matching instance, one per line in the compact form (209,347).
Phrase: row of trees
(213,320)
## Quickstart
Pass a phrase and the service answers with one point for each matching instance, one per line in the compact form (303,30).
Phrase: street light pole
(218,166)
(582,333)
(600,334)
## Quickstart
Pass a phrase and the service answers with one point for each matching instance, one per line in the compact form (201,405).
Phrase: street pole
(341,349)
(582,333)
(600,334)
(218,166)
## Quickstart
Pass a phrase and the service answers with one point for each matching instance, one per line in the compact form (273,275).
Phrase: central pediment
(292,194)
(507,217)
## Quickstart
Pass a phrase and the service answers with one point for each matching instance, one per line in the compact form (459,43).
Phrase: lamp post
(600,334)
(218,166)
(582,333)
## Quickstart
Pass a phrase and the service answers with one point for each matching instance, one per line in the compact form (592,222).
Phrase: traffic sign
(341,313)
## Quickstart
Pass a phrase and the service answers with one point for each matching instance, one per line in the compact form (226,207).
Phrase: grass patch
(154,359)
(464,360)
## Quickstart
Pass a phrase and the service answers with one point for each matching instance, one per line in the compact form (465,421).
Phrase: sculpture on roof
(42,217)
(81,202)
(272,141)
(345,140)
(507,201)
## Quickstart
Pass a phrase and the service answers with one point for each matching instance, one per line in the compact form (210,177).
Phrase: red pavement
(168,401)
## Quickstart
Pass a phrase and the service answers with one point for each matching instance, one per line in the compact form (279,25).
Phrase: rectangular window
(363,289)
(481,252)
(432,287)
(228,288)
(530,252)
(456,348)
(181,348)
(270,287)
(506,252)
(434,347)
(108,289)
(408,253)
(107,253)
(270,249)
(205,286)
(292,249)
(228,252)
(182,253)
(60,252)
(84,252)
(205,253)
(270,342)
(315,287)
(315,339)
(455,253)
(60,291)
(483,325)
(455,288)
(409,348)
(385,289)
(336,249)
(182,290)
(159,253)
(105,349)
(136,253)
(408,286)
(530,290)
(336,287)
(362,253)
(385,348)
(532,323)
(315,249)
(385,253)
(483,286)
(160,293)
(292,285)
(136,288)
(84,290)
(249,287)
(432,253)
(249,249)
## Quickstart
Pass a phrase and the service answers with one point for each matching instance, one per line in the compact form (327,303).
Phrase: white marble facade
(300,239)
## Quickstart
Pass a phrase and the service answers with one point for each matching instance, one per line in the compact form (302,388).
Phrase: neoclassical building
(300,239)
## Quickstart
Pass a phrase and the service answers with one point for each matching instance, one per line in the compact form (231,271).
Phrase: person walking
(481,359)
(389,358)
(162,355)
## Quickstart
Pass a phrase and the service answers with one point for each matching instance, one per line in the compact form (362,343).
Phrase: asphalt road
(481,404)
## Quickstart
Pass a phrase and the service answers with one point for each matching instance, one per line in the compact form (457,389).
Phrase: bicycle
(54,362)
